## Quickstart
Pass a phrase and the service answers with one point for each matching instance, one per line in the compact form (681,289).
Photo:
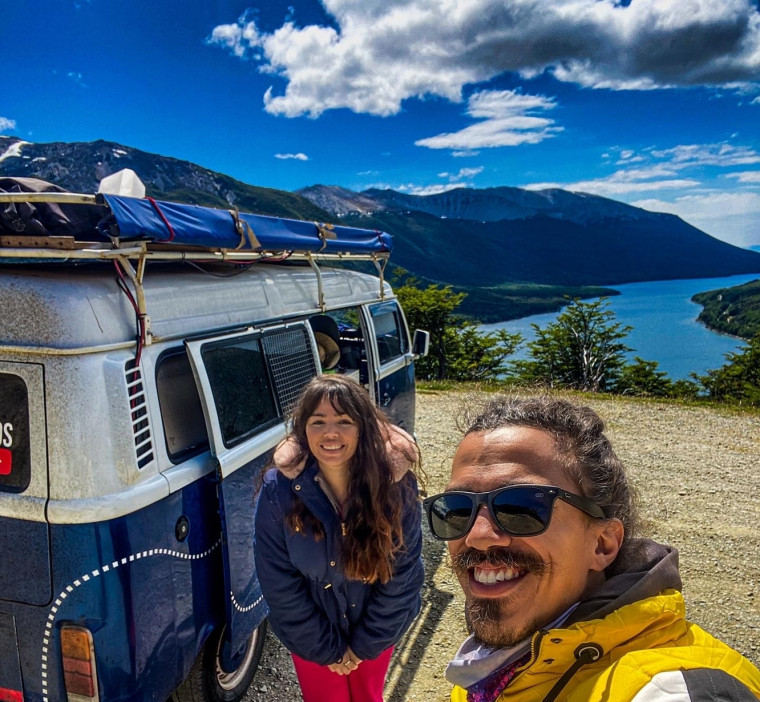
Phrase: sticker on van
(15,471)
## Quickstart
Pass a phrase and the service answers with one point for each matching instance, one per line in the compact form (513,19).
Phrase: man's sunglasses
(518,510)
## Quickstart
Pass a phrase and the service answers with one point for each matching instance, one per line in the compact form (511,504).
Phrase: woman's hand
(348,664)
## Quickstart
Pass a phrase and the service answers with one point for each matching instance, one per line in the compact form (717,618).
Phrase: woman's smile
(332,436)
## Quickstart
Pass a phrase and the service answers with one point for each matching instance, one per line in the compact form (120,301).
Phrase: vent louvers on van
(291,361)
(139,414)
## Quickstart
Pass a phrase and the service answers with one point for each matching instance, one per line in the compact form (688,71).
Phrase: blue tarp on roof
(193,225)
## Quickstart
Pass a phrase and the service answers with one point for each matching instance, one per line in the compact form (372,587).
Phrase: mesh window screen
(291,362)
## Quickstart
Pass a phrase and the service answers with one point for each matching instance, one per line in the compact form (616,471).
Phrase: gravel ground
(697,471)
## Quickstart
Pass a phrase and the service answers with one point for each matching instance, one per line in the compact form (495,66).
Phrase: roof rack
(131,231)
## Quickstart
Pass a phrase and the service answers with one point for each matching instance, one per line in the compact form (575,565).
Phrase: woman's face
(332,436)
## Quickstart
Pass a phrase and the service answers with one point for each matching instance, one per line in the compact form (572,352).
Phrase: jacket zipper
(328,493)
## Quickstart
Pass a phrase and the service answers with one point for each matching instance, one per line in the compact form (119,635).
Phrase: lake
(664,324)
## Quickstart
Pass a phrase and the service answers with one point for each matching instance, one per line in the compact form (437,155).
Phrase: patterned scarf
(489,689)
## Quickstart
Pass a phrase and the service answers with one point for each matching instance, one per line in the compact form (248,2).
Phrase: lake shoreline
(664,321)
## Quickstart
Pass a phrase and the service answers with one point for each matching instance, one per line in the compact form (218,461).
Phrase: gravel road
(697,471)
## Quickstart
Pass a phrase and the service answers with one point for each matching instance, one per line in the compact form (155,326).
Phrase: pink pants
(365,684)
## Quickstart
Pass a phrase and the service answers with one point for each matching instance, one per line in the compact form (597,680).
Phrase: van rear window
(181,411)
(15,463)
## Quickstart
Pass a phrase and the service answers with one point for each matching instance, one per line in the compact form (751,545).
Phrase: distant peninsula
(734,311)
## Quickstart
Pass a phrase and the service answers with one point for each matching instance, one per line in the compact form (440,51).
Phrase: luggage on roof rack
(38,220)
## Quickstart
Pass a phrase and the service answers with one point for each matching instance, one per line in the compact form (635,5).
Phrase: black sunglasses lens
(450,516)
(523,511)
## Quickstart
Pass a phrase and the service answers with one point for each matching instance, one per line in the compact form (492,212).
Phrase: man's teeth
(490,576)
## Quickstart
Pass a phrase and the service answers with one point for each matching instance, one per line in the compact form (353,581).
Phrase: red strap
(163,218)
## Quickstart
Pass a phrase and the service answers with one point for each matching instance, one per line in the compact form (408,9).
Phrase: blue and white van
(147,366)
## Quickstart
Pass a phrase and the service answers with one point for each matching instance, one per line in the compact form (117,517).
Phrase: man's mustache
(497,557)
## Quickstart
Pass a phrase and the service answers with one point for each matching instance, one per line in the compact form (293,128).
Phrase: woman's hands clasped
(348,664)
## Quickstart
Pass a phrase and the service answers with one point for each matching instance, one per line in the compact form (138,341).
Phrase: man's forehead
(504,456)
(505,445)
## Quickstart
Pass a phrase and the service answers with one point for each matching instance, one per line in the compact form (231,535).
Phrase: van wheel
(215,679)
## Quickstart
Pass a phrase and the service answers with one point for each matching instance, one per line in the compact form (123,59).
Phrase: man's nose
(484,531)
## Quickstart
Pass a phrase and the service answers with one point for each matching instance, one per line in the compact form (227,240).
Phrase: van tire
(209,682)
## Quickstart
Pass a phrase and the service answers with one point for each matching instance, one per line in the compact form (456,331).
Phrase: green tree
(430,309)
(582,349)
(457,350)
(739,379)
(474,355)
(686,388)
(641,378)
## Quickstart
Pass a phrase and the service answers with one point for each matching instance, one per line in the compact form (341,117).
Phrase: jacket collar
(642,570)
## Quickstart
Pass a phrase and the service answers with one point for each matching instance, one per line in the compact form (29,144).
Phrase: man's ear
(609,539)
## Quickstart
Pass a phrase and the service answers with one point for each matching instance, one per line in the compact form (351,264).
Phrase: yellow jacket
(646,648)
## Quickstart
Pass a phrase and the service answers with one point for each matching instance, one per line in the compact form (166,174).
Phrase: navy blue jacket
(314,609)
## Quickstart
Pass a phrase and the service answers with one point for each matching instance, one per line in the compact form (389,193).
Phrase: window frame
(233,455)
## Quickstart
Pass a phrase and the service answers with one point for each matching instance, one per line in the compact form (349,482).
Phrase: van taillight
(79,674)
(8,695)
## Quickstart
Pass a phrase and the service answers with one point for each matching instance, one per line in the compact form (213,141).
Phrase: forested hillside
(733,311)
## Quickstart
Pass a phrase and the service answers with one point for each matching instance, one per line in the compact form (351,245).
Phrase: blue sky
(651,102)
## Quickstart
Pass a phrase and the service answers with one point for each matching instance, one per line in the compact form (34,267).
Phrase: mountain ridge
(79,167)
(549,237)
(501,245)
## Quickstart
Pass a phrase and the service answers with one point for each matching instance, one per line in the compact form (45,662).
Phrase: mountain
(513,251)
(553,237)
(79,167)
(339,201)
(483,205)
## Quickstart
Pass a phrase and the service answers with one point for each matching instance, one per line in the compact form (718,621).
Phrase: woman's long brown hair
(375,501)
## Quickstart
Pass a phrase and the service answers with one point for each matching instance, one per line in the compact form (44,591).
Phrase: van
(150,353)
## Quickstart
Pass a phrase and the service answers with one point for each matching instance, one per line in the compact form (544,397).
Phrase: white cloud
(676,179)
(463,173)
(709,206)
(297,157)
(377,54)
(722,154)
(620,183)
(508,119)
(732,217)
(240,38)
(6,124)
(430,189)
(680,167)
(745,176)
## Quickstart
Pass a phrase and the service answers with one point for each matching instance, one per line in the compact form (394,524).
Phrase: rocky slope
(79,167)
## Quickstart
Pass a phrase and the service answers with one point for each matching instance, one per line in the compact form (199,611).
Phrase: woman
(338,542)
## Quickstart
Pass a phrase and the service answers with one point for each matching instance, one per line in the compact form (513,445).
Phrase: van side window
(390,331)
(181,411)
(15,462)
(241,387)
(352,345)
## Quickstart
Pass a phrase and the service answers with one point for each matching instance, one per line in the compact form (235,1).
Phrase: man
(562,602)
